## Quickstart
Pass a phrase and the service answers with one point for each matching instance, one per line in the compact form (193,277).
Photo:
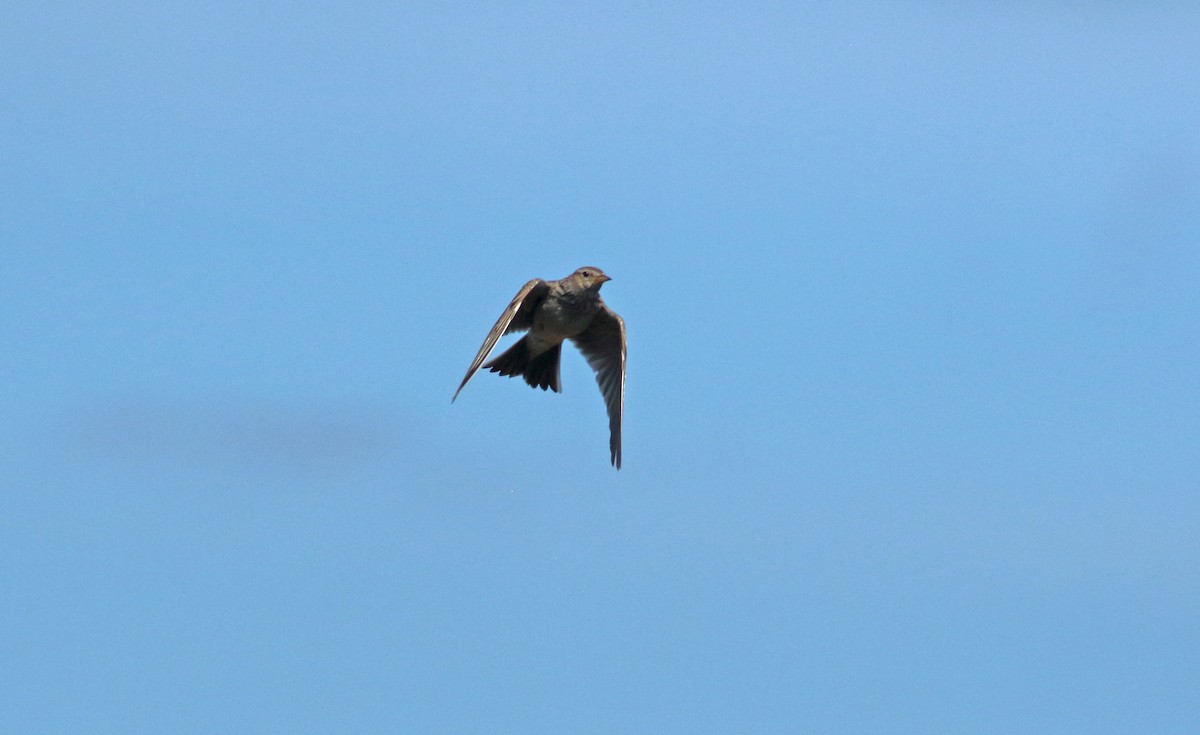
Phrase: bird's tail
(540,372)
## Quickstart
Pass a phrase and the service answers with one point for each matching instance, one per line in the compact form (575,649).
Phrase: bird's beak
(605,279)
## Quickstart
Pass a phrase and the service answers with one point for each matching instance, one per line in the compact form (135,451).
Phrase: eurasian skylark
(553,311)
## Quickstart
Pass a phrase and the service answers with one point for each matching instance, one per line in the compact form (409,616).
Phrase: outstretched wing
(603,344)
(517,317)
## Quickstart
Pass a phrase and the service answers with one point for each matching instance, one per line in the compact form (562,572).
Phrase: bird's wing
(517,317)
(603,344)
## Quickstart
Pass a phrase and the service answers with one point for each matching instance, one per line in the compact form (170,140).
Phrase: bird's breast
(562,318)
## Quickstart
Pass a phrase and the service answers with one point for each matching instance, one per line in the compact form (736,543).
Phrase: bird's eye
(587,274)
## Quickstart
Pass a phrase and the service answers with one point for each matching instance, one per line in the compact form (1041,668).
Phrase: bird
(554,311)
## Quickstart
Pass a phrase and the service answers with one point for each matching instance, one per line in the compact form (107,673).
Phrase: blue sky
(913,411)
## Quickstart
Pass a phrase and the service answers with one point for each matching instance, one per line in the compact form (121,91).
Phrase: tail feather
(542,371)
(539,372)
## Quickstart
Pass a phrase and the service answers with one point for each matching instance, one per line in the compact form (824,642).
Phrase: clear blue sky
(913,411)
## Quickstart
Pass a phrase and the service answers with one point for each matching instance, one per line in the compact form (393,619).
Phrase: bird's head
(589,277)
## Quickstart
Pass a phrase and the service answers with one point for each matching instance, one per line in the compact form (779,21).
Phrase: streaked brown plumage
(553,311)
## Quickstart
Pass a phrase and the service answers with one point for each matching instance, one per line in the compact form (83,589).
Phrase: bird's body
(562,314)
(554,311)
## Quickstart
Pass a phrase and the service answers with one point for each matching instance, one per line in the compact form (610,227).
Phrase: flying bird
(553,311)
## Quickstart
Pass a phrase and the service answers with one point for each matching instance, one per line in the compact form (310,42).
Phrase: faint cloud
(234,435)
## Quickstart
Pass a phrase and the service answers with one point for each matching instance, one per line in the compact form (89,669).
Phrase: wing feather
(603,345)
(517,317)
